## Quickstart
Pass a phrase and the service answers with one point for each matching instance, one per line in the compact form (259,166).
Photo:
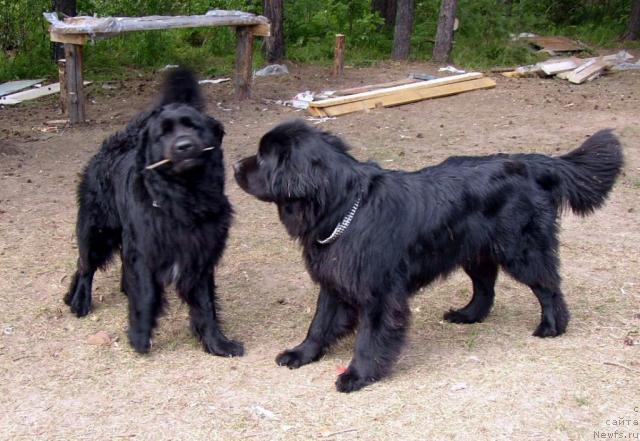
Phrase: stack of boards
(395,95)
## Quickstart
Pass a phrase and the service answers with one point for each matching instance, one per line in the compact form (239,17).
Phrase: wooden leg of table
(62,77)
(244,55)
(75,93)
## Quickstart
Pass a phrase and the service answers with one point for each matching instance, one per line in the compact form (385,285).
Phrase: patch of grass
(473,338)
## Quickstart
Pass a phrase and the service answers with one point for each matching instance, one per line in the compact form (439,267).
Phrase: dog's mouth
(181,162)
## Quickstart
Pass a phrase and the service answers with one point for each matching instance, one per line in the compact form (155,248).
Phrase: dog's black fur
(170,223)
(478,213)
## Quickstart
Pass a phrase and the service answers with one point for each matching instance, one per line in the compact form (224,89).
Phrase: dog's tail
(180,85)
(589,172)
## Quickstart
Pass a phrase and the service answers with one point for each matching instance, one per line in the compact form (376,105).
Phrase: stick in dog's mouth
(166,161)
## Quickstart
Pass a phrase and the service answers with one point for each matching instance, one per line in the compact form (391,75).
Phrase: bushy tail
(180,85)
(589,172)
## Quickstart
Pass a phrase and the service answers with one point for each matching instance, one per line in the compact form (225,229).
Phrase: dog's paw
(140,341)
(460,316)
(351,381)
(293,358)
(223,347)
(545,329)
(79,303)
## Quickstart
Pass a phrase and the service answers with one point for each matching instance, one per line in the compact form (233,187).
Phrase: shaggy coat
(170,222)
(409,228)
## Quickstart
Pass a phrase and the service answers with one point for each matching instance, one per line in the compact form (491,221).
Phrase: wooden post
(75,103)
(244,55)
(62,75)
(338,56)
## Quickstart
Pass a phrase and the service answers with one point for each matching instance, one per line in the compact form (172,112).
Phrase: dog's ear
(298,176)
(141,154)
(216,129)
(180,85)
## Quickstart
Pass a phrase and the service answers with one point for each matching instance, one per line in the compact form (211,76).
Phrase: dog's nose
(183,146)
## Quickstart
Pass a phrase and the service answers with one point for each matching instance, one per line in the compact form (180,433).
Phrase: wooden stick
(166,161)
(338,56)
(611,363)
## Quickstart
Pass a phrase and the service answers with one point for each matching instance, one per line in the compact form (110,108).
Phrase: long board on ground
(31,94)
(407,93)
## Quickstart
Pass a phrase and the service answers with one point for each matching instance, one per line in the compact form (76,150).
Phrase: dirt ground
(486,381)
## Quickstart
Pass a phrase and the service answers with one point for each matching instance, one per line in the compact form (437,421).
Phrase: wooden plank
(370,87)
(95,26)
(69,38)
(15,86)
(75,92)
(338,56)
(588,71)
(261,30)
(556,44)
(392,90)
(31,94)
(402,96)
(552,67)
(244,59)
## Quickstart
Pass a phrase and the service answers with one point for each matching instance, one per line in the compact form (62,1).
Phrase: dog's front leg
(145,300)
(332,320)
(380,335)
(204,321)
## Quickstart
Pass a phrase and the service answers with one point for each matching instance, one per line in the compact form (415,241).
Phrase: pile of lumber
(573,69)
(394,94)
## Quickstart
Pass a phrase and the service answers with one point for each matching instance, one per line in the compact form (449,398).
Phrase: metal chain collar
(342,226)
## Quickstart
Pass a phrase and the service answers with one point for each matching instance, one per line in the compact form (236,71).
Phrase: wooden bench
(74,32)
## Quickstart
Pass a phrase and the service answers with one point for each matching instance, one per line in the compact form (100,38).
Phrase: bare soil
(486,381)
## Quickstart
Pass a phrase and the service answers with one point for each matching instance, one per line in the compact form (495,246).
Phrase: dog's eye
(167,126)
(186,122)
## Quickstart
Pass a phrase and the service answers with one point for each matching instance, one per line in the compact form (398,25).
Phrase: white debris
(452,69)
(302,100)
(264,413)
(216,81)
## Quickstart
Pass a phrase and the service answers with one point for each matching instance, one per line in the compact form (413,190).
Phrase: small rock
(264,413)
(458,386)
(100,338)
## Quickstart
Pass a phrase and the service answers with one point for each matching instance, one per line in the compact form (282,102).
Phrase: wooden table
(74,32)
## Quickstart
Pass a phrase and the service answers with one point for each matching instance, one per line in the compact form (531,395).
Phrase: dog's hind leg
(332,320)
(483,274)
(95,247)
(380,336)
(204,321)
(555,315)
(540,273)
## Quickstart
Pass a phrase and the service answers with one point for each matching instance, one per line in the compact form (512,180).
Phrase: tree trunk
(633,31)
(274,45)
(402,33)
(444,35)
(68,8)
(387,10)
